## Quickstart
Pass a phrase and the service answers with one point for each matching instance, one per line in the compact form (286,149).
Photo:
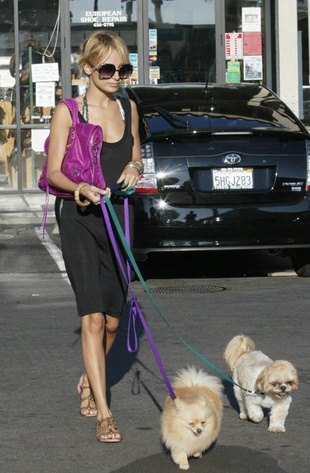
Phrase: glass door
(245,39)
(181,41)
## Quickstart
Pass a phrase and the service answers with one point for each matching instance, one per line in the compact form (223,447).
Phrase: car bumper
(168,228)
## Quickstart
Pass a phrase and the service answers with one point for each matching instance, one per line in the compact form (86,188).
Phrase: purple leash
(134,305)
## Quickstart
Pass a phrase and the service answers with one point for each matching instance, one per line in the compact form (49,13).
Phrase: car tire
(301,262)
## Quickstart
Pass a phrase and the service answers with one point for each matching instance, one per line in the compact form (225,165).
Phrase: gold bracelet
(136,165)
(77,195)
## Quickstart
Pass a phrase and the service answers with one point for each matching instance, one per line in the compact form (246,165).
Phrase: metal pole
(65,35)
(143,41)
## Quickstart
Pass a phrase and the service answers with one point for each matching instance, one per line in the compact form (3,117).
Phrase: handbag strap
(74,109)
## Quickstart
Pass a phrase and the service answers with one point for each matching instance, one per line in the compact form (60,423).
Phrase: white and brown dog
(266,383)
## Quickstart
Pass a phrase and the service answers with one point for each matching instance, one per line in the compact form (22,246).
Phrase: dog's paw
(180,458)
(276,428)
(243,416)
(256,414)
(197,455)
(184,466)
(257,418)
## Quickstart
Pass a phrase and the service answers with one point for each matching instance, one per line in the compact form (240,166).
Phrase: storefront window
(182,40)
(172,41)
(29,88)
(87,16)
(244,37)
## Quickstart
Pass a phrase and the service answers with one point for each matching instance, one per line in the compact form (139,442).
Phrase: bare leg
(95,329)
(110,332)
(111,326)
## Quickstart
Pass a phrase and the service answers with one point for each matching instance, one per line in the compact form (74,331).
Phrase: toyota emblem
(232,159)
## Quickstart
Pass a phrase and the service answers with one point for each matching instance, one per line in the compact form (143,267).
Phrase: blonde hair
(99,46)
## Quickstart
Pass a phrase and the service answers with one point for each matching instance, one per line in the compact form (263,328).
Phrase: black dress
(93,271)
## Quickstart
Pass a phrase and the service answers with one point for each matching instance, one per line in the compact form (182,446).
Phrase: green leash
(138,273)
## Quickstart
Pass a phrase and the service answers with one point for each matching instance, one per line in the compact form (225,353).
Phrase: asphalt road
(206,302)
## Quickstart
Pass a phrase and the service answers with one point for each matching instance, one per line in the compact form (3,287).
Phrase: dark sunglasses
(106,71)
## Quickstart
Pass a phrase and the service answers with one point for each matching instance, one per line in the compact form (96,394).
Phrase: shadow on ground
(219,460)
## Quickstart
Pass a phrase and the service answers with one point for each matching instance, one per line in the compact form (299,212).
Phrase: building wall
(287,53)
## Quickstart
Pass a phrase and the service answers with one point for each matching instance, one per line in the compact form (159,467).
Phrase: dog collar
(255,393)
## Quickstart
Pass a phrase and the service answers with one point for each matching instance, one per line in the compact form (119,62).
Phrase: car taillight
(308,167)
(148,181)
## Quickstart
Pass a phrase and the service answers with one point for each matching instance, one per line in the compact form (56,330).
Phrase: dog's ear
(178,403)
(261,382)
(295,380)
(202,401)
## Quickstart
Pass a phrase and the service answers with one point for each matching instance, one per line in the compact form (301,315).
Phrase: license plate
(232,178)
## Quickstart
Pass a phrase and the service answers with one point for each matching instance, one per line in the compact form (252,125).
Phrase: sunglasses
(106,71)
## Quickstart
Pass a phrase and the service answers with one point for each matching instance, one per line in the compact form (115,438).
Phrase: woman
(94,274)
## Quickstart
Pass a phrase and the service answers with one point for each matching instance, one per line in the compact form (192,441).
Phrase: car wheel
(301,262)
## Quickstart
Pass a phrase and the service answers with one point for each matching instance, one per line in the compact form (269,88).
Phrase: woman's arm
(134,168)
(59,131)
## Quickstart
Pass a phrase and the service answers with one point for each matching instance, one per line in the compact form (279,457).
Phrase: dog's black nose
(283,387)
(199,431)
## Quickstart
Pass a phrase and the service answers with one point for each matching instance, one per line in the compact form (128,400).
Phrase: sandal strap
(90,405)
(106,427)
(86,398)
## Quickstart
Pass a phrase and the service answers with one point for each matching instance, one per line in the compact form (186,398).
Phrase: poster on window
(233,72)
(252,68)
(252,43)
(152,41)
(133,59)
(45,94)
(251,19)
(234,46)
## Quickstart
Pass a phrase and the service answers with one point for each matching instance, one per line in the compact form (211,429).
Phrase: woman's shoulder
(73,102)
(72,105)
(126,102)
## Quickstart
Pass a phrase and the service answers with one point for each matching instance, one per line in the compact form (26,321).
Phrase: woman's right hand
(93,193)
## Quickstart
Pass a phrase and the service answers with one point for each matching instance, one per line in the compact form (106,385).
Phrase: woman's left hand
(129,177)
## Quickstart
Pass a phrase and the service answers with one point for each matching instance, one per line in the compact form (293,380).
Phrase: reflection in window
(182,41)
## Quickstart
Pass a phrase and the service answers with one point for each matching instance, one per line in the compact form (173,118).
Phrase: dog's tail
(237,346)
(191,376)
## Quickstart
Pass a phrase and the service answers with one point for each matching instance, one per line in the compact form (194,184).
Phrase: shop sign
(103,19)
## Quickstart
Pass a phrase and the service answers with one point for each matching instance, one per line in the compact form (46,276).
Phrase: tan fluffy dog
(191,422)
(271,381)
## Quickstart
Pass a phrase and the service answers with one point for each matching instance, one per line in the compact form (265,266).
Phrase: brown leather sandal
(107,430)
(89,408)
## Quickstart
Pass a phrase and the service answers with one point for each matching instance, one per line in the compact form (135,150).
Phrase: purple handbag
(81,162)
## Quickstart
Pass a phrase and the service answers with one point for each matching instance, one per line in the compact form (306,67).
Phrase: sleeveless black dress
(91,266)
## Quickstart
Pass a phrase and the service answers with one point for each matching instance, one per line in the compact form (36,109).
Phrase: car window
(193,107)
(219,115)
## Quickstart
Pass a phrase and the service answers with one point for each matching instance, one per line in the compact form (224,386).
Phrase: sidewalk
(17,209)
